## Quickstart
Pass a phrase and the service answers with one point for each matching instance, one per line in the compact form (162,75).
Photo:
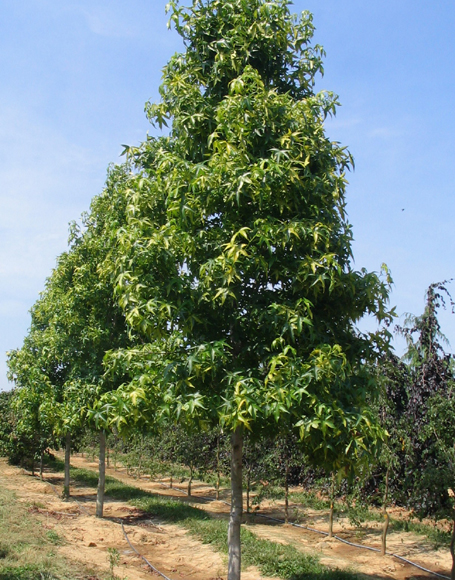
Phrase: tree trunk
(386,515)
(452,549)
(66,483)
(108,456)
(218,475)
(41,461)
(141,447)
(235,518)
(190,481)
(286,494)
(102,476)
(248,481)
(332,499)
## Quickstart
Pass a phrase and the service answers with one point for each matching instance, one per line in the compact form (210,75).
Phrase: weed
(54,538)
(114,560)
(309,500)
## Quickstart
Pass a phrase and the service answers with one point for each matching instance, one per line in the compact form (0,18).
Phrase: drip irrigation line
(81,507)
(360,546)
(140,555)
(118,521)
(320,532)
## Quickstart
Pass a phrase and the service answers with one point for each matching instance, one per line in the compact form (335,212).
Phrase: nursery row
(211,285)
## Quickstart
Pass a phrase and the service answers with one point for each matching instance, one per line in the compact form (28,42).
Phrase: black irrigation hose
(118,521)
(210,499)
(141,556)
(361,546)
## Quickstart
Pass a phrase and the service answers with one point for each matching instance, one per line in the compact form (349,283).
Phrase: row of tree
(415,407)
(211,283)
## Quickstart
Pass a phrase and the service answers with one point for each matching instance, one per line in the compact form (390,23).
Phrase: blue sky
(74,77)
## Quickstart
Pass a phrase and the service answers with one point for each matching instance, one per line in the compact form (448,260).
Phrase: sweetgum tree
(235,265)
(74,323)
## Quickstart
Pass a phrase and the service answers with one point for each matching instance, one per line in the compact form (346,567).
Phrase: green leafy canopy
(235,263)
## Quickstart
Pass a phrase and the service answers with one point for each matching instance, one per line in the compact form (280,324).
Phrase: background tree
(75,322)
(430,375)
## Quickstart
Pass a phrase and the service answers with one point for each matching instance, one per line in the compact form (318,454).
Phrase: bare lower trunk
(248,492)
(108,456)
(141,447)
(332,499)
(41,462)
(101,476)
(66,483)
(452,549)
(235,518)
(190,481)
(386,515)
(286,494)
(218,475)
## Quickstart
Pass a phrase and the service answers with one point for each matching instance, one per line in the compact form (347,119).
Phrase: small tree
(431,376)
(235,266)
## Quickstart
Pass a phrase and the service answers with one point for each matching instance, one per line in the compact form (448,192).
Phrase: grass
(271,558)
(309,499)
(438,538)
(357,514)
(360,514)
(27,549)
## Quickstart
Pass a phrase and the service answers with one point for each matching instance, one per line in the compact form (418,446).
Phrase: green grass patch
(438,538)
(309,499)
(360,514)
(271,558)
(27,549)
(26,573)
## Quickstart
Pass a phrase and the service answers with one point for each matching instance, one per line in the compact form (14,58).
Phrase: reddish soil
(178,555)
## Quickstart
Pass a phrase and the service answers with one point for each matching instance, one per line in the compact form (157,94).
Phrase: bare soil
(178,555)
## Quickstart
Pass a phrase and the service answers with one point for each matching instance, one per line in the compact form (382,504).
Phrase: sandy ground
(175,553)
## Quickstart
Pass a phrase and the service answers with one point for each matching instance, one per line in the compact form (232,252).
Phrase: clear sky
(74,77)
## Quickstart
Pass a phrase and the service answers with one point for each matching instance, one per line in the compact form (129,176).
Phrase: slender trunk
(102,476)
(140,456)
(33,465)
(41,462)
(332,499)
(66,483)
(235,518)
(218,475)
(191,479)
(248,478)
(452,549)
(170,480)
(386,515)
(286,494)
(108,456)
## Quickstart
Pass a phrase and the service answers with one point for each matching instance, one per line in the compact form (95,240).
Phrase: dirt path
(177,554)
(87,539)
(331,552)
